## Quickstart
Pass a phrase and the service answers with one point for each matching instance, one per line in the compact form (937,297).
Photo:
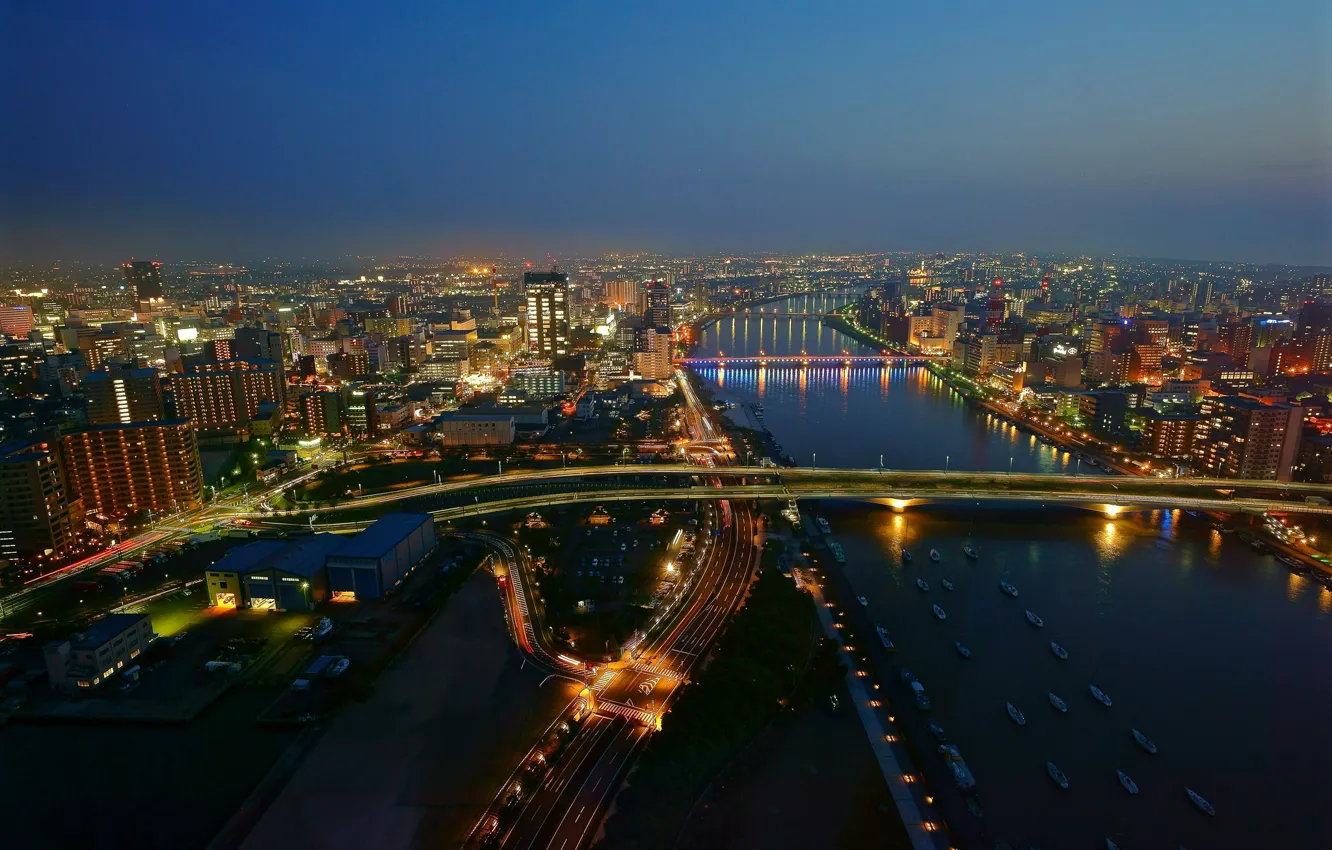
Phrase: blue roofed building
(283,575)
(372,563)
(109,646)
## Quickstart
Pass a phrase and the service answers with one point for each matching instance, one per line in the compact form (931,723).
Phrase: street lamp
(946,458)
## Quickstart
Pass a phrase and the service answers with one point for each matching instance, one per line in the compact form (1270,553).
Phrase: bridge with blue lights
(762,359)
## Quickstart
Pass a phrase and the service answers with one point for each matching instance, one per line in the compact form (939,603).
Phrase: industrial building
(110,645)
(275,575)
(372,563)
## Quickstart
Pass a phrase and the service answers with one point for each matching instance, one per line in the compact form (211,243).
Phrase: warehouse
(273,574)
(374,562)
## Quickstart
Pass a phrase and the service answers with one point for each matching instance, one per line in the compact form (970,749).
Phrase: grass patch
(767,658)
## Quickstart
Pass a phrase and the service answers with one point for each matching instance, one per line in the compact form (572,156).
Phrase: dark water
(1216,652)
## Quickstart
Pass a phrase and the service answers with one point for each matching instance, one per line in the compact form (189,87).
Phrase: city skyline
(726,128)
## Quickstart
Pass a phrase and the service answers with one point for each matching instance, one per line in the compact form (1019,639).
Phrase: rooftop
(303,556)
(383,535)
(106,629)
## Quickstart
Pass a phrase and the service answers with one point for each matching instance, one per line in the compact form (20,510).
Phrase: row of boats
(961,773)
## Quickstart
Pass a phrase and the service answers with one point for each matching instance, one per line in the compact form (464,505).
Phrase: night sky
(1174,128)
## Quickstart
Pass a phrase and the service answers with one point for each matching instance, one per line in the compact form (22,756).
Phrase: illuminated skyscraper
(658,297)
(143,279)
(120,395)
(547,313)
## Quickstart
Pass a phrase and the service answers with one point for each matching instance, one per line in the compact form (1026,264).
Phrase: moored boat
(823,525)
(947,585)
(962,649)
(1100,696)
(1110,844)
(934,555)
(922,584)
(863,601)
(1034,620)
(1057,702)
(1057,775)
(938,732)
(1143,741)
(1058,650)
(939,612)
(906,556)
(970,553)
(839,555)
(961,773)
(1018,717)
(883,637)
(1008,588)
(1129,785)
(1199,801)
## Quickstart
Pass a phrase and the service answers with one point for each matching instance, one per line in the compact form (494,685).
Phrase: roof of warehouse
(383,535)
(303,556)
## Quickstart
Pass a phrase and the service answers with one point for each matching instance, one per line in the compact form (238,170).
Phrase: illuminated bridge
(898,488)
(761,359)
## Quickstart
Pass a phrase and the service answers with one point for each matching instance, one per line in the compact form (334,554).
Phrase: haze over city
(1184,129)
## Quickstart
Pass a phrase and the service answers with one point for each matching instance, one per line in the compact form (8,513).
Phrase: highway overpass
(898,488)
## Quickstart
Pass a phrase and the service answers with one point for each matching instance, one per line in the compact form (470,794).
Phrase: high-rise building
(257,344)
(547,313)
(626,296)
(144,281)
(1242,437)
(360,406)
(224,395)
(322,413)
(38,513)
(16,321)
(1169,434)
(657,313)
(120,470)
(119,395)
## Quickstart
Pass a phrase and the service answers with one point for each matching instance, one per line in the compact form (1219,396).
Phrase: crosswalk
(638,715)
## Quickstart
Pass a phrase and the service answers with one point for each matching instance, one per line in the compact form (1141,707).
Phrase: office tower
(144,281)
(1242,437)
(547,313)
(121,470)
(994,306)
(257,344)
(397,306)
(360,406)
(225,395)
(322,414)
(119,395)
(657,295)
(38,513)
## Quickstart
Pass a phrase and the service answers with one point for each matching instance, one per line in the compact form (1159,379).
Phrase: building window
(109,671)
(120,664)
(84,683)
(134,653)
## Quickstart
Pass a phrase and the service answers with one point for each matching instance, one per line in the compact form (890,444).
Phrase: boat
(1057,775)
(939,612)
(962,649)
(1295,564)
(823,525)
(1034,620)
(1058,650)
(1057,702)
(934,555)
(1110,844)
(1100,696)
(1199,801)
(906,556)
(1129,785)
(1008,588)
(883,637)
(1018,717)
(938,732)
(863,601)
(961,773)
(1143,741)
(838,554)
(1223,528)
(947,585)
(907,675)
(922,584)
(970,553)
(922,698)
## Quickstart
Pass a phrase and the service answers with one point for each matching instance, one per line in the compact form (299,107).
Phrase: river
(1213,650)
